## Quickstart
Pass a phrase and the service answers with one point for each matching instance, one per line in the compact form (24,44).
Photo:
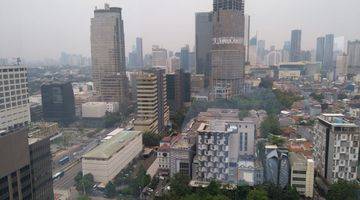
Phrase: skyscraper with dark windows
(328,63)
(203,39)
(320,45)
(139,52)
(295,49)
(58,102)
(228,49)
(184,58)
(108,55)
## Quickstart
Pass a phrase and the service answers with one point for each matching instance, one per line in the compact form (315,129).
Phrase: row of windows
(7,88)
(13,81)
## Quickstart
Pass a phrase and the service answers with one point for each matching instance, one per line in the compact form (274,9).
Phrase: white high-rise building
(14,97)
(336,148)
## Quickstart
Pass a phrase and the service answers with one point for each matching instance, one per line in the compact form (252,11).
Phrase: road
(67,181)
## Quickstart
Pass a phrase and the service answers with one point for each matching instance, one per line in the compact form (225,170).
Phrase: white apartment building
(112,156)
(302,174)
(336,148)
(220,146)
(14,97)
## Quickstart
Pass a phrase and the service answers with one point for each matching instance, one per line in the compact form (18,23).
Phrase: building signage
(228,40)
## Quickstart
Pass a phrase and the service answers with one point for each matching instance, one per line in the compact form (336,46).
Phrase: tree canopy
(343,190)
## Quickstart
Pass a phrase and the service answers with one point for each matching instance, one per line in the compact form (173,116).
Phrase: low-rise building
(182,153)
(302,174)
(109,158)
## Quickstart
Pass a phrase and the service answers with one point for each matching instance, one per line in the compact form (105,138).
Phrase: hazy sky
(35,29)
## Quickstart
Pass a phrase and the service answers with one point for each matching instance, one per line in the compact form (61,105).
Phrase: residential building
(14,97)
(302,174)
(182,153)
(152,107)
(295,48)
(250,171)
(277,166)
(108,55)
(15,172)
(336,148)
(197,83)
(328,63)
(58,102)
(139,52)
(341,69)
(203,40)
(228,49)
(105,161)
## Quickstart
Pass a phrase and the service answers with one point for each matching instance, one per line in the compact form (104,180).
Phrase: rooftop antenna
(18,61)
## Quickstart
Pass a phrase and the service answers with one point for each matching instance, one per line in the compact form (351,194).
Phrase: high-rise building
(159,56)
(152,107)
(253,51)
(203,39)
(341,69)
(184,58)
(14,97)
(260,52)
(336,148)
(108,55)
(277,166)
(228,49)
(15,172)
(247,37)
(58,102)
(295,48)
(178,90)
(353,52)
(139,52)
(320,45)
(328,63)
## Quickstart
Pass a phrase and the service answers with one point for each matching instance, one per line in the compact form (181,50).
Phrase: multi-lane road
(67,181)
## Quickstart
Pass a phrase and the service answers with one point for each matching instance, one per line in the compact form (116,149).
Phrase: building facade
(295,48)
(320,45)
(203,40)
(302,174)
(58,102)
(108,55)
(336,148)
(14,97)
(353,52)
(228,49)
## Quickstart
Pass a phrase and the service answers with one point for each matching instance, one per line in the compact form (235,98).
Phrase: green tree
(317,97)
(179,185)
(266,83)
(257,194)
(110,190)
(290,193)
(243,114)
(270,125)
(84,183)
(343,190)
(83,197)
(277,140)
(214,188)
(151,139)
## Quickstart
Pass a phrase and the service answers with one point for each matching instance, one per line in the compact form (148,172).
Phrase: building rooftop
(108,148)
(336,120)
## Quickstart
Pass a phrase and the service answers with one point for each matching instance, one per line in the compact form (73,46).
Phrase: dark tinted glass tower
(58,102)
(203,37)
(320,44)
(295,49)
(228,49)
(139,52)
(184,59)
(328,53)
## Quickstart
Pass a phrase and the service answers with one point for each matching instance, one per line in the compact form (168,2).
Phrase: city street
(67,181)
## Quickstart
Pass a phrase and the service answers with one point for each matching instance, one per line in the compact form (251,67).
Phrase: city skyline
(51,35)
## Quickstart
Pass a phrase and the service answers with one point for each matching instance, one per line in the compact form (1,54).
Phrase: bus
(58,175)
(64,160)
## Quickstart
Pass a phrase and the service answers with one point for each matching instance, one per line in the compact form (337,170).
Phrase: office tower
(306,56)
(295,48)
(179,90)
(184,58)
(15,176)
(139,52)
(328,63)
(192,62)
(220,146)
(336,148)
(273,58)
(108,55)
(320,45)
(247,37)
(302,174)
(203,40)
(152,108)
(173,65)
(132,59)
(353,52)
(253,50)
(341,69)
(14,97)
(228,50)
(41,160)
(260,52)
(159,56)
(58,102)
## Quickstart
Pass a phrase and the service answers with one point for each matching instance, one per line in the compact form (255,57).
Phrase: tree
(213,188)
(151,139)
(257,194)
(179,185)
(266,83)
(83,197)
(270,125)
(317,97)
(243,114)
(84,183)
(110,190)
(343,190)
(277,140)
(290,193)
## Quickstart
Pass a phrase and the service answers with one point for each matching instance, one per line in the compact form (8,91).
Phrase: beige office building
(152,108)
(302,174)
(108,55)
(109,158)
